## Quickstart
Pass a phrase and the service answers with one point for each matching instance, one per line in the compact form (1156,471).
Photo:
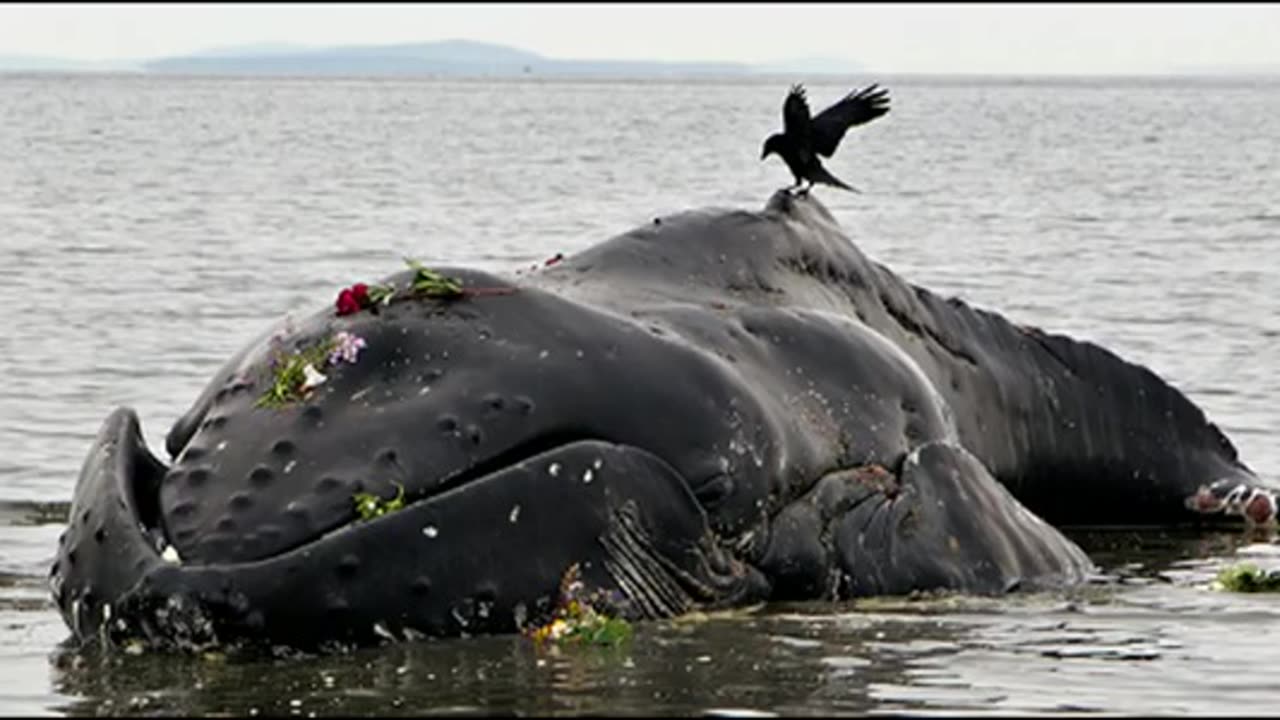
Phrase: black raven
(803,139)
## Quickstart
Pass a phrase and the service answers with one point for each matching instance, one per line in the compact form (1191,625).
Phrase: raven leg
(798,188)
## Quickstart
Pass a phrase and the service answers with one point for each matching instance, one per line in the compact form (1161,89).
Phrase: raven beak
(764,154)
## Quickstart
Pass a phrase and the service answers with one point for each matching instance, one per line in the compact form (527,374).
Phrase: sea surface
(149,226)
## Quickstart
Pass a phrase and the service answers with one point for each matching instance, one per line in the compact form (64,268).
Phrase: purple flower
(347,348)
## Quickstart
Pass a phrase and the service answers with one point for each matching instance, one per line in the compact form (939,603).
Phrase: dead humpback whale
(723,408)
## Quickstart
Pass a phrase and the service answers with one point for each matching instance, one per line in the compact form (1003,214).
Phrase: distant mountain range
(447,57)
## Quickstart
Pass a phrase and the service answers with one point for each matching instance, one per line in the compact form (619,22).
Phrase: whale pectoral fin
(944,523)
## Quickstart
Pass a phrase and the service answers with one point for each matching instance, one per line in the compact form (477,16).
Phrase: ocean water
(150,226)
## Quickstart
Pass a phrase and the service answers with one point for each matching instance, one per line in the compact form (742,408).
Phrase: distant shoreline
(468,59)
(815,79)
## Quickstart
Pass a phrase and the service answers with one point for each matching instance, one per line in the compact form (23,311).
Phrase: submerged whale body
(718,409)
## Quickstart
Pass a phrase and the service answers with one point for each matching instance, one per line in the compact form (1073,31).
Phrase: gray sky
(973,38)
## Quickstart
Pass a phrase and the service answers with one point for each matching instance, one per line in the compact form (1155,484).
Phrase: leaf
(381,294)
(370,506)
(431,283)
(1248,578)
(290,374)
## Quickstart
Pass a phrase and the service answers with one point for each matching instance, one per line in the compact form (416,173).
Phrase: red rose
(347,303)
(361,293)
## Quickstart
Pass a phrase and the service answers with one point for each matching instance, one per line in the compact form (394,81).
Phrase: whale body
(720,408)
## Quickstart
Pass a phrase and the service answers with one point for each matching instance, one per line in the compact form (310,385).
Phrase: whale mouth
(483,550)
(140,474)
(115,531)
(520,453)
(408,495)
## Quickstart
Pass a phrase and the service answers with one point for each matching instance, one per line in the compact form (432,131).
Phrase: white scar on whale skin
(382,631)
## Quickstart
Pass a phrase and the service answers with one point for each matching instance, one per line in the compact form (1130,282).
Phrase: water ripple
(153,225)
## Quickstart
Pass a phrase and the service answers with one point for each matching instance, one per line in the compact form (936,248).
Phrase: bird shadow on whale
(719,409)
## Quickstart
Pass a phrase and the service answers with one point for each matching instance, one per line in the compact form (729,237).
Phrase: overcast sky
(977,38)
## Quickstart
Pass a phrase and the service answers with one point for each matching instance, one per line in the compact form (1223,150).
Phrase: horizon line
(136,65)
(1039,74)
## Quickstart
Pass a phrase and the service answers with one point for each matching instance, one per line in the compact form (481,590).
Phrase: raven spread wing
(795,113)
(857,107)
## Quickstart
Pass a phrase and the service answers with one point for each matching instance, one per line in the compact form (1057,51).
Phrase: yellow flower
(553,631)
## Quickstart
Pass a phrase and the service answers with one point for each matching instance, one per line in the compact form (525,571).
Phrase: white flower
(313,377)
(170,555)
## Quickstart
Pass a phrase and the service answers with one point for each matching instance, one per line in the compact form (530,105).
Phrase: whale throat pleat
(639,573)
